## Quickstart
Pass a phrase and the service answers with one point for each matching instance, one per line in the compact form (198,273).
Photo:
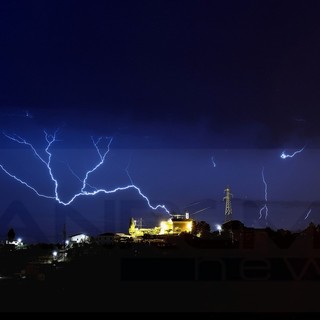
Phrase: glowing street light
(219,228)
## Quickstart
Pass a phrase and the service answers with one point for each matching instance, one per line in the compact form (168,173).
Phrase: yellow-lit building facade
(174,225)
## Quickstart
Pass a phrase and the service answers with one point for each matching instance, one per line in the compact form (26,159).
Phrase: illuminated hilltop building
(182,223)
(178,222)
(175,225)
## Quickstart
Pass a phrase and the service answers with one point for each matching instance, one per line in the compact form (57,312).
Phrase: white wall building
(79,238)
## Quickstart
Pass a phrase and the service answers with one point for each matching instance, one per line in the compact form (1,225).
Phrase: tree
(11,235)
(202,228)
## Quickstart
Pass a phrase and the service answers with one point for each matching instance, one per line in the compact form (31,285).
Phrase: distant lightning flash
(265,207)
(28,114)
(50,139)
(213,162)
(284,155)
(308,214)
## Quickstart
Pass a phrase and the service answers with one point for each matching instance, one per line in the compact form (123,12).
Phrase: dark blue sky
(175,83)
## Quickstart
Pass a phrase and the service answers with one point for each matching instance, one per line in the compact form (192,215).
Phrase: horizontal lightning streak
(284,155)
(199,211)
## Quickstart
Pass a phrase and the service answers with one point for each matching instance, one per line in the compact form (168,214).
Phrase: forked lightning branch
(46,161)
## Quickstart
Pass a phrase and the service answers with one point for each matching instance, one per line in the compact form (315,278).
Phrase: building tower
(228,209)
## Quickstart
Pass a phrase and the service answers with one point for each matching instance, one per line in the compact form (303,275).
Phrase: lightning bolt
(307,214)
(284,155)
(51,139)
(212,160)
(71,170)
(265,207)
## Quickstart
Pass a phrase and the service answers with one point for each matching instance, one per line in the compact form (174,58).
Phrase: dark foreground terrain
(167,280)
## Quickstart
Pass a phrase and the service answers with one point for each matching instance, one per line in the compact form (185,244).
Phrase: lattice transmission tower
(228,209)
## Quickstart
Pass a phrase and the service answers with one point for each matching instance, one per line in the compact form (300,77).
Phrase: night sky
(197,95)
